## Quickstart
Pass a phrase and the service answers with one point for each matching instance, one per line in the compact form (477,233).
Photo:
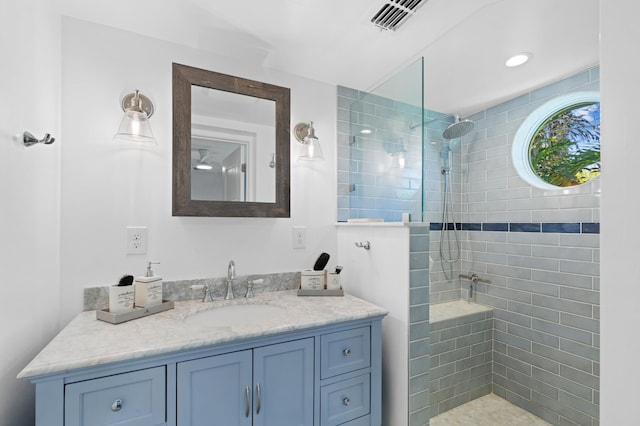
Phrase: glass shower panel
(385,150)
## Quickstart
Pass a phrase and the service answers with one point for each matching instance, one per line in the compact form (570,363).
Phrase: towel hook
(364,244)
(28,139)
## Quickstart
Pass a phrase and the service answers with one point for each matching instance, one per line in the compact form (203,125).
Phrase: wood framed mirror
(231,145)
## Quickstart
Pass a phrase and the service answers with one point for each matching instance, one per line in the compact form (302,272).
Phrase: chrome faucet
(231,275)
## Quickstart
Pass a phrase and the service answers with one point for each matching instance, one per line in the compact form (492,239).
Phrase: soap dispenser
(148,289)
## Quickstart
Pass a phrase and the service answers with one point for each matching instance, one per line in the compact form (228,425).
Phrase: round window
(558,145)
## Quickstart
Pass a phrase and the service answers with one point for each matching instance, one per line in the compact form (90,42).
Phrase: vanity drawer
(345,351)
(135,398)
(346,400)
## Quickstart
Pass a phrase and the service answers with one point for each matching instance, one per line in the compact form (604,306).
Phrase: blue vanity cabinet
(266,386)
(324,375)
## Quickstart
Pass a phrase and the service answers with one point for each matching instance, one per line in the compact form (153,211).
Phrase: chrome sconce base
(302,130)
(138,102)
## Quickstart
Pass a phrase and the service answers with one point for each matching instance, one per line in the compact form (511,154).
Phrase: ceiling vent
(394,13)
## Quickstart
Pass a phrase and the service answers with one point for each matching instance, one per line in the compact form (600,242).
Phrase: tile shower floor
(490,410)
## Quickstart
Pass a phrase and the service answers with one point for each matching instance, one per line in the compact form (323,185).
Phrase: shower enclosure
(392,153)
(535,256)
(396,158)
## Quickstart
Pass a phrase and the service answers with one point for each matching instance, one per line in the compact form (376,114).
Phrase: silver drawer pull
(117,405)
(247,410)
(346,352)
(346,401)
(259,404)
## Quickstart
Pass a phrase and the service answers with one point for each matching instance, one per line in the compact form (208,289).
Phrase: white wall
(29,187)
(67,205)
(381,276)
(620,204)
(107,186)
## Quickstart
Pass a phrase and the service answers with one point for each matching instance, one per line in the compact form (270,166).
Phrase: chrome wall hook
(28,139)
(364,244)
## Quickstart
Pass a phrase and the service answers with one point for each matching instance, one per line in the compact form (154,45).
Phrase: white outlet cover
(299,237)
(136,240)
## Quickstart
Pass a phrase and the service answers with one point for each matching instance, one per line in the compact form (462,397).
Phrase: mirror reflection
(232,145)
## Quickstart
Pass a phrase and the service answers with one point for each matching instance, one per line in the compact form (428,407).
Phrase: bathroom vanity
(303,361)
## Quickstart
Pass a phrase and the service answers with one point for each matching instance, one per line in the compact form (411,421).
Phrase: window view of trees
(565,150)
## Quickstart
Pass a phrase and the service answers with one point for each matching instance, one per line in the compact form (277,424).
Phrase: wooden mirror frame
(183,78)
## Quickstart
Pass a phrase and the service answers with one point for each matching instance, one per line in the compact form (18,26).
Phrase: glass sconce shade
(135,125)
(305,134)
(311,150)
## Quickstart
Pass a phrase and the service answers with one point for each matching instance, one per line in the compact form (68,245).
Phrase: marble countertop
(87,342)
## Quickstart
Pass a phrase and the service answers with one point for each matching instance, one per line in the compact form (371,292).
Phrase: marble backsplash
(95,298)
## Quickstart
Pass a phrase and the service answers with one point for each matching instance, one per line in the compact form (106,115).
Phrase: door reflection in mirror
(232,138)
(218,172)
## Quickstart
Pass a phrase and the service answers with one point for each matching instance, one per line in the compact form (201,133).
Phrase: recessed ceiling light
(365,131)
(517,60)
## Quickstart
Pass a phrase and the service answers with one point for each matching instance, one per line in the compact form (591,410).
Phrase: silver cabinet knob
(117,405)
(346,401)
(346,352)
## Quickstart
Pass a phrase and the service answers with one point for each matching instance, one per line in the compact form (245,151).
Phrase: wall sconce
(305,134)
(135,122)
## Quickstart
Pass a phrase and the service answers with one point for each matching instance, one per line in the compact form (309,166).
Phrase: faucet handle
(207,294)
(249,292)
(250,284)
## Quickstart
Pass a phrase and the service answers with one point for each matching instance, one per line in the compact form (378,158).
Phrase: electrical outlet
(299,237)
(136,239)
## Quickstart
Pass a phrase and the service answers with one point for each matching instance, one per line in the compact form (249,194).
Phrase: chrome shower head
(458,129)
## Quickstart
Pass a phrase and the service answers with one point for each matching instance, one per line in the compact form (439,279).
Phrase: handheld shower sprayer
(445,151)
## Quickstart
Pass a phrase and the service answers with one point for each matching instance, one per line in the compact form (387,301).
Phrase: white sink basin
(234,315)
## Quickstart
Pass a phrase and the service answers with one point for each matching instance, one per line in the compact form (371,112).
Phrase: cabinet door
(215,391)
(283,384)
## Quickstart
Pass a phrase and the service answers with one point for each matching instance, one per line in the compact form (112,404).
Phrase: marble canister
(312,280)
(121,299)
(333,281)
(148,291)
